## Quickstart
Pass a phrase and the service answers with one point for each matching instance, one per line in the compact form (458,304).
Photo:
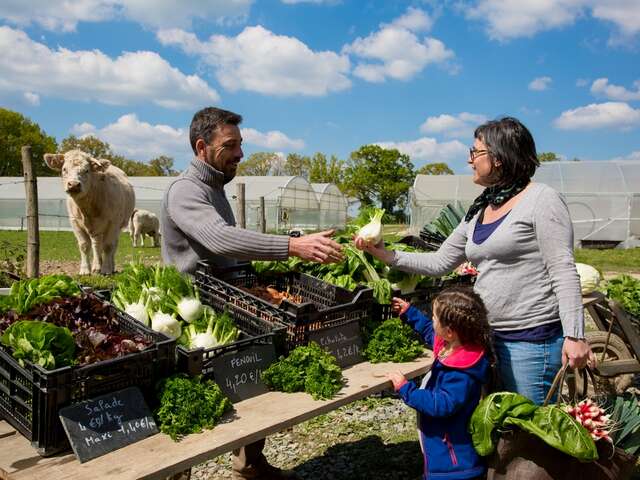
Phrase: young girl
(460,337)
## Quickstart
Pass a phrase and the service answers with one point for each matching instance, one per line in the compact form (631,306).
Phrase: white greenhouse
(603,197)
(333,206)
(290,202)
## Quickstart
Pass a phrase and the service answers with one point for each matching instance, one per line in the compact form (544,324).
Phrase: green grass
(611,260)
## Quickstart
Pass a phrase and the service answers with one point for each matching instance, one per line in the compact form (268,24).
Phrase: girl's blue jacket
(446,403)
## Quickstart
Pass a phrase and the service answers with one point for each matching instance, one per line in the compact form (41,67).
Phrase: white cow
(100,200)
(144,222)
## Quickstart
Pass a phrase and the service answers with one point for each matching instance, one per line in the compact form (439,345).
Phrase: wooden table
(159,456)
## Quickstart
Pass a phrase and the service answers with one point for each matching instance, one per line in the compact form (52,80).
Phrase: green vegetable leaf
(41,343)
(392,341)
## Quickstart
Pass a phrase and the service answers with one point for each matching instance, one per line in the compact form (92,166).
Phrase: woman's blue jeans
(528,368)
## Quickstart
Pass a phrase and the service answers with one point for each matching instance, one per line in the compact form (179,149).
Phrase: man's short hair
(207,120)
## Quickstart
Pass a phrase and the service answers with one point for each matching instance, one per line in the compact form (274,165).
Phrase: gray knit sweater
(197,223)
(527,274)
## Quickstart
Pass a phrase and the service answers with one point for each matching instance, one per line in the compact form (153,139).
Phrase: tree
(17,131)
(377,174)
(323,171)
(158,167)
(439,168)
(259,163)
(296,164)
(162,166)
(547,157)
(89,144)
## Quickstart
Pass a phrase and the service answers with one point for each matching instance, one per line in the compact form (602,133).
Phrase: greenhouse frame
(603,197)
(290,202)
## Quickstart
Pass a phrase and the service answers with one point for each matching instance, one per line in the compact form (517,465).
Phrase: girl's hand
(377,251)
(399,306)
(397,379)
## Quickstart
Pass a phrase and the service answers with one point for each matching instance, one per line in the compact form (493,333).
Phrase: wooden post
(262,216)
(242,211)
(33,232)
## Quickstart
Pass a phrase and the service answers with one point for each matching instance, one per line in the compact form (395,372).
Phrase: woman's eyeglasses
(473,153)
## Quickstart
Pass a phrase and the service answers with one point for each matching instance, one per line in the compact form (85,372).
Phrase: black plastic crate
(325,306)
(254,331)
(30,397)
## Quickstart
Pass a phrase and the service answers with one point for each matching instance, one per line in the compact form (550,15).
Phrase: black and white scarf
(496,196)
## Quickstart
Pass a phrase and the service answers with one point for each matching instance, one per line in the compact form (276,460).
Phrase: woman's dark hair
(463,311)
(205,122)
(510,143)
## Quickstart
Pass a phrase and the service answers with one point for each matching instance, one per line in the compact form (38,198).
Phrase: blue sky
(329,76)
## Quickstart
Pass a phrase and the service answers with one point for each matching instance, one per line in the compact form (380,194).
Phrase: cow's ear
(99,165)
(54,160)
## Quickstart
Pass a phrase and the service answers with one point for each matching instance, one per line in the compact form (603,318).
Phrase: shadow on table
(365,459)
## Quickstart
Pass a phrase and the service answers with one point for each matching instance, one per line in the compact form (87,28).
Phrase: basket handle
(559,379)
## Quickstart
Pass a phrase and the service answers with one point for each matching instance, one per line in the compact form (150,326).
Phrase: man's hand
(578,353)
(317,247)
(377,251)
(397,379)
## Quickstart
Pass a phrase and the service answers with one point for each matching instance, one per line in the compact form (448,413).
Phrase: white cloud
(634,156)
(90,75)
(274,140)
(428,150)
(453,126)
(139,140)
(414,20)
(599,115)
(32,98)
(318,2)
(540,83)
(66,15)
(396,51)
(260,61)
(602,88)
(508,19)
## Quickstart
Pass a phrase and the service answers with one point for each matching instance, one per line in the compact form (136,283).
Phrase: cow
(100,201)
(144,222)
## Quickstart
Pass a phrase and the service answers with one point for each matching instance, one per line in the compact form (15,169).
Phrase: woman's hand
(399,306)
(578,353)
(377,251)
(397,379)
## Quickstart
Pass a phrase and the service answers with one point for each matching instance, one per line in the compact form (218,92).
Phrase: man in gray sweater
(198,224)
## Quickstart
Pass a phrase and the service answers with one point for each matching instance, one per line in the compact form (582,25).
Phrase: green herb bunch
(392,341)
(189,405)
(307,368)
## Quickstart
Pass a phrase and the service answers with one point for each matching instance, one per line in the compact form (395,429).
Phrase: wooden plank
(613,368)
(158,456)
(627,327)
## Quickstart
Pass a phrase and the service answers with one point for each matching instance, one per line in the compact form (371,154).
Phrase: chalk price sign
(239,373)
(106,423)
(343,341)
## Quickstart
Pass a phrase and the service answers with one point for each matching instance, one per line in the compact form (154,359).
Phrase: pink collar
(464,356)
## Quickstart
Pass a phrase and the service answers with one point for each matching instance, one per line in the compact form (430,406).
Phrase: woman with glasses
(519,235)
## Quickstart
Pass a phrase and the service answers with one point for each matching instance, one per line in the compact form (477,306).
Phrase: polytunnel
(603,197)
(290,202)
(333,206)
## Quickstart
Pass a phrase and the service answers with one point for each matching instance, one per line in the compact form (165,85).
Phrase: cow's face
(78,170)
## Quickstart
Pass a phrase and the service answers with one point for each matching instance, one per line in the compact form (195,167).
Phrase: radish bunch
(592,417)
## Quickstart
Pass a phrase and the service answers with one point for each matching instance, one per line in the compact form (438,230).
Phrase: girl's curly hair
(463,311)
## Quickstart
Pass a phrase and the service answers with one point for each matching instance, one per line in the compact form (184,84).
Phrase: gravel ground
(372,438)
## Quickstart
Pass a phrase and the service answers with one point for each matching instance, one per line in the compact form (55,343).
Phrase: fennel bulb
(139,312)
(167,324)
(371,233)
(190,309)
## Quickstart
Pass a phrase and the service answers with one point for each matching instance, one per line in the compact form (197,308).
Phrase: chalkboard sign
(239,373)
(106,423)
(343,341)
